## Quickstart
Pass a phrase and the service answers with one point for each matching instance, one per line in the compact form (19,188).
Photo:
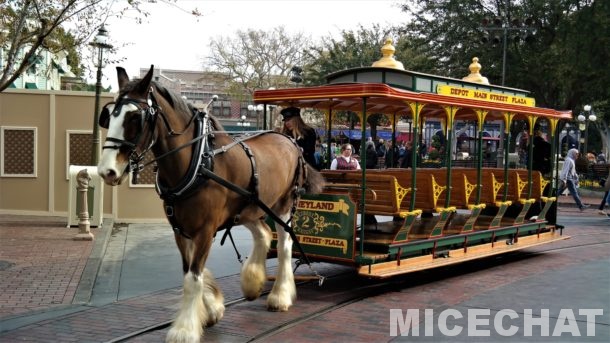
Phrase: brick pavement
(566,202)
(40,264)
(368,320)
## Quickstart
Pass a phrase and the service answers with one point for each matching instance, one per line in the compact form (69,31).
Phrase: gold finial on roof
(475,75)
(388,61)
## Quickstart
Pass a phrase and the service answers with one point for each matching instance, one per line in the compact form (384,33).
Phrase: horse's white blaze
(108,161)
(284,290)
(188,326)
(253,271)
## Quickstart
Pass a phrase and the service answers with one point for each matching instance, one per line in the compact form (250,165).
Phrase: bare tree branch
(257,59)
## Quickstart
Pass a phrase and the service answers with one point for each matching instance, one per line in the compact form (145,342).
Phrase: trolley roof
(381,98)
(389,89)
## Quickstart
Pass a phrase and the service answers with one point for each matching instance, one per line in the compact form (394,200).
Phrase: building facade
(198,87)
(46,73)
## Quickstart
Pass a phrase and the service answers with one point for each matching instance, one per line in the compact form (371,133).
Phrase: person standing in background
(569,178)
(605,198)
(541,152)
(406,160)
(381,149)
(371,155)
(391,156)
(303,134)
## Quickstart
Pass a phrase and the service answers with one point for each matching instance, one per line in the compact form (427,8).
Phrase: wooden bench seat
(539,183)
(429,188)
(517,194)
(600,170)
(384,196)
(383,193)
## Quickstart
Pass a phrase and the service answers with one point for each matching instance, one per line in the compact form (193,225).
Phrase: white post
(84,233)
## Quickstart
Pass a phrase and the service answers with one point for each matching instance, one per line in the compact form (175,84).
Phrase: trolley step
(413,264)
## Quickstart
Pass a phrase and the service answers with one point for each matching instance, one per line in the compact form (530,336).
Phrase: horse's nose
(111,173)
(108,174)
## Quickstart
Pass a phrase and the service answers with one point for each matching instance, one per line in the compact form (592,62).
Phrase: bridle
(149,112)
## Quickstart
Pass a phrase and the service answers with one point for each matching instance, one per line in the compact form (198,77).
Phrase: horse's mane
(176,101)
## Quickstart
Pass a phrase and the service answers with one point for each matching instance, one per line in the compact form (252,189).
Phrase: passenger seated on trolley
(345,161)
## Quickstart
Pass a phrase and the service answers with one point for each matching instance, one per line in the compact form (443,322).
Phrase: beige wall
(53,113)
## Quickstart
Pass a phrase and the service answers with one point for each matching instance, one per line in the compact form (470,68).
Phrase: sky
(170,38)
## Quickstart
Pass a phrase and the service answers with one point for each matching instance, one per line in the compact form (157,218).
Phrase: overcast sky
(173,39)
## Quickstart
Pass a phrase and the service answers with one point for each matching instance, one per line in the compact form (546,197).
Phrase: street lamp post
(583,124)
(503,25)
(256,109)
(99,42)
(243,122)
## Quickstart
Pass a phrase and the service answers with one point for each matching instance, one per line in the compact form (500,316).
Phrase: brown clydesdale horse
(208,181)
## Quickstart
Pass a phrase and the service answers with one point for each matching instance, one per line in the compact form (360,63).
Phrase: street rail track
(358,289)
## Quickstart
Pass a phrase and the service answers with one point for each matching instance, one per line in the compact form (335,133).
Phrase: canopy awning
(381,98)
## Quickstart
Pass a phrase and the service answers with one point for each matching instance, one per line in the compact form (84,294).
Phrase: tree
(358,48)
(564,65)
(29,26)
(257,59)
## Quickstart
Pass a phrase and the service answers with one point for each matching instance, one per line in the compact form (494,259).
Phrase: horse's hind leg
(213,300)
(253,271)
(284,290)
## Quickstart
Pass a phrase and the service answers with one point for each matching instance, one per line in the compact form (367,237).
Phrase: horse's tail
(313,179)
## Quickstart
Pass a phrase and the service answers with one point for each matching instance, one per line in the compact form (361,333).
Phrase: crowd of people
(344,157)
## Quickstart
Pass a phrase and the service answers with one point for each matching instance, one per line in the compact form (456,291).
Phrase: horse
(208,180)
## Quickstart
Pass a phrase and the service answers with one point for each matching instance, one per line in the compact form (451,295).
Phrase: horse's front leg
(202,303)
(284,290)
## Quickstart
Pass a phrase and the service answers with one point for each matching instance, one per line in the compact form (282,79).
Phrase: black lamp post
(256,109)
(502,24)
(99,42)
(243,122)
(583,124)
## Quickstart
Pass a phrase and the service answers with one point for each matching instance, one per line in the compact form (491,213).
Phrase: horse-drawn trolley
(432,213)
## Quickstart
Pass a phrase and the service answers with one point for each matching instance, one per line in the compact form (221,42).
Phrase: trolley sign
(324,224)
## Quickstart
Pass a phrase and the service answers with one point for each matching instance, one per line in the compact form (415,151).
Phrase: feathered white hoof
(281,301)
(182,335)
(215,314)
(213,300)
(252,281)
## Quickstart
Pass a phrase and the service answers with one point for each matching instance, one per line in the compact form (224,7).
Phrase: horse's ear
(144,84)
(122,77)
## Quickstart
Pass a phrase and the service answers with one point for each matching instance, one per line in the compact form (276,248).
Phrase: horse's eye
(134,118)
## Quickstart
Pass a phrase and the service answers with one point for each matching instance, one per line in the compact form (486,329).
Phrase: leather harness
(201,170)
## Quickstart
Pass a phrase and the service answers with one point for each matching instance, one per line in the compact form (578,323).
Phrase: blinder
(104,119)
(114,109)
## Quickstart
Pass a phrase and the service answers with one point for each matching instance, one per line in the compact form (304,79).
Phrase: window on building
(78,149)
(18,151)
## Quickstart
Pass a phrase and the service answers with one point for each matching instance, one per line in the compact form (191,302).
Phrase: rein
(201,167)
(213,153)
